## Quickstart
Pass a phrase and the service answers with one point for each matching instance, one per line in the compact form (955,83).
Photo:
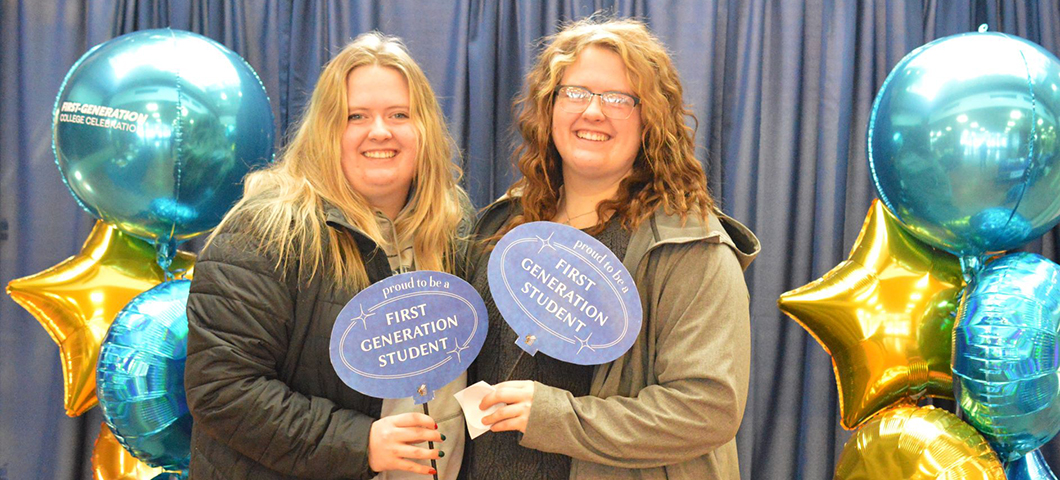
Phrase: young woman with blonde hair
(365,188)
(606,149)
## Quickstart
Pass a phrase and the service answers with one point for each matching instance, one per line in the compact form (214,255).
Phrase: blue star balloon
(140,377)
(1006,358)
(1031,466)
(962,142)
(153,132)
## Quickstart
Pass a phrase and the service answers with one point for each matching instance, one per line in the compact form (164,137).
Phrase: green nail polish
(441,454)
(443,437)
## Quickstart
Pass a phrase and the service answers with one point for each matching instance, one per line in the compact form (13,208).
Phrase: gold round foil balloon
(885,315)
(917,443)
(76,301)
(112,462)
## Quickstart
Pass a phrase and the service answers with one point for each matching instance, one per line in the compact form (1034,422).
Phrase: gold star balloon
(112,462)
(76,301)
(885,315)
(917,443)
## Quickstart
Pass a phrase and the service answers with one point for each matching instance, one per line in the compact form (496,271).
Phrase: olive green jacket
(669,408)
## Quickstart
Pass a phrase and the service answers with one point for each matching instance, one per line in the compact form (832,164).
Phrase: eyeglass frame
(636,100)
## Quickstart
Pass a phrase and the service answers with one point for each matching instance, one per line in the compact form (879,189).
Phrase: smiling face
(379,144)
(596,149)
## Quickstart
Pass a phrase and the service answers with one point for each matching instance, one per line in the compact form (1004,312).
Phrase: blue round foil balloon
(962,142)
(153,132)
(140,376)
(1006,357)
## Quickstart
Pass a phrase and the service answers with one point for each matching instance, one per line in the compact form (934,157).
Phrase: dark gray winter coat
(265,399)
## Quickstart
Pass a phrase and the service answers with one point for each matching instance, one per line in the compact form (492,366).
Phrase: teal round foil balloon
(1006,357)
(153,132)
(140,377)
(962,142)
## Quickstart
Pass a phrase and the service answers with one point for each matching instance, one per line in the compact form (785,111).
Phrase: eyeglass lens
(613,104)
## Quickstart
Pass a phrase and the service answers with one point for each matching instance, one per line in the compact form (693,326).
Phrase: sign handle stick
(430,444)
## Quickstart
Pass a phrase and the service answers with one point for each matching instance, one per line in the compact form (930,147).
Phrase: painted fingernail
(433,472)
(441,454)
(443,437)
(436,426)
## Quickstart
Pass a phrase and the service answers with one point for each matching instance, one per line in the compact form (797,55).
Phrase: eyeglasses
(575,99)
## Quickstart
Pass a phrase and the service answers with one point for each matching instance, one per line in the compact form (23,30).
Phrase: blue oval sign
(564,293)
(408,335)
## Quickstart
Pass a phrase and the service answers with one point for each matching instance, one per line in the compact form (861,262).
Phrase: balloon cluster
(963,151)
(153,133)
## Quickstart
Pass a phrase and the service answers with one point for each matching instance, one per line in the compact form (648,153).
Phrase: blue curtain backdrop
(782,91)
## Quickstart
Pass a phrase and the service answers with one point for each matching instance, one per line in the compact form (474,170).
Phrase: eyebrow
(394,107)
(591,90)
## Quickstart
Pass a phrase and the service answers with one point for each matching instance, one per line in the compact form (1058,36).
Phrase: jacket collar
(659,229)
(336,219)
(663,229)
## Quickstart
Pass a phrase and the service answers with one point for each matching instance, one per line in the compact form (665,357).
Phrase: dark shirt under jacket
(498,456)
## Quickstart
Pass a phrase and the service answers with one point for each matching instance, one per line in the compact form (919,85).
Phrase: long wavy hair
(665,171)
(283,205)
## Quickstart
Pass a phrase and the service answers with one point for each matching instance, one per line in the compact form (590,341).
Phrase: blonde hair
(665,172)
(284,204)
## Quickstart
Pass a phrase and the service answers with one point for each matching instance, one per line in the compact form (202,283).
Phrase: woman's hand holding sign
(392,442)
(517,395)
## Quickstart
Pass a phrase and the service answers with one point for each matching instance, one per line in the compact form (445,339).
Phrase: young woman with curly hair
(605,148)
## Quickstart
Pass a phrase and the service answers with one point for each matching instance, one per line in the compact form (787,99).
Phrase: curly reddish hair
(665,173)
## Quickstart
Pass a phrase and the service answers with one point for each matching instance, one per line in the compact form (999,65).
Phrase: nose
(592,110)
(380,131)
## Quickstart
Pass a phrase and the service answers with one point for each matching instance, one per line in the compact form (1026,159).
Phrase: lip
(592,133)
(380,153)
